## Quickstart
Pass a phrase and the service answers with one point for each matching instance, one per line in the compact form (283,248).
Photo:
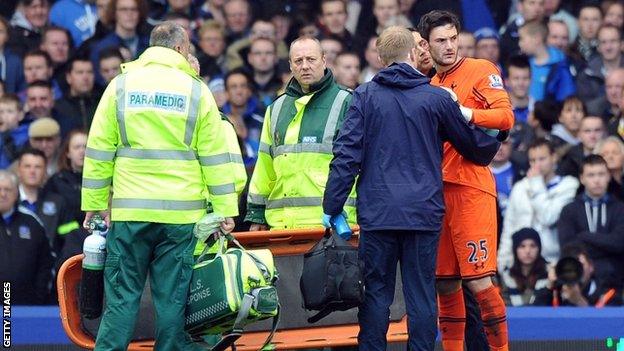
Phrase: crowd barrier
(63,326)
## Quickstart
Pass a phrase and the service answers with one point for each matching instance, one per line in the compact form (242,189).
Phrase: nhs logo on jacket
(158,100)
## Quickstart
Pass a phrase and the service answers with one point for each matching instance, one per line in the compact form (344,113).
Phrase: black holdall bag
(332,277)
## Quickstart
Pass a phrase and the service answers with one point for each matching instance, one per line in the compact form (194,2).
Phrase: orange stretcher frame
(281,243)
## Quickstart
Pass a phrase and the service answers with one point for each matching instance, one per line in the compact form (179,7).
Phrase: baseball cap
(43,127)
(485,33)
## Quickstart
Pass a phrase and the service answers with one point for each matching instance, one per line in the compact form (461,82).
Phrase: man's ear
(382,61)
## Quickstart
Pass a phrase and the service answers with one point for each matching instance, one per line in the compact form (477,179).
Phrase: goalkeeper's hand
(500,135)
(465,111)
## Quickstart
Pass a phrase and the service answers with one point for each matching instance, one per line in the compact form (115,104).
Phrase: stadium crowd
(559,177)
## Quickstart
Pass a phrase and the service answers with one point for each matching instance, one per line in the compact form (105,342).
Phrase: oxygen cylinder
(92,283)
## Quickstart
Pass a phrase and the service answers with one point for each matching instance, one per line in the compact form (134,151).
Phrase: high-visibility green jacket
(158,138)
(288,182)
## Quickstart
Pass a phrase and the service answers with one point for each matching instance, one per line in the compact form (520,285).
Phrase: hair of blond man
(394,44)
(535,28)
(212,25)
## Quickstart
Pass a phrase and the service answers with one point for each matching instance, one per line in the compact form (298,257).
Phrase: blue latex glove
(341,226)
(326,221)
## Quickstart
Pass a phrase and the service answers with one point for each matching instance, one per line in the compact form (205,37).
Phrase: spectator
(50,208)
(536,202)
(591,81)
(79,17)
(373,65)
(237,52)
(211,56)
(25,254)
(385,13)
(528,10)
(67,181)
(506,173)
(466,47)
(243,110)
(596,220)
(44,135)
(565,133)
(608,105)
(333,19)
(11,71)
(614,13)
(217,88)
(554,12)
(589,290)
(76,108)
(331,48)
(558,35)
(27,22)
(518,81)
(13,136)
(55,42)
(347,69)
(237,19)
(39,101)
(127,17)
(110,64)
(263,60)
(612,150)
(527,276)
(38,67)
(590,20)
(591,131)
(486,45)
(550,72)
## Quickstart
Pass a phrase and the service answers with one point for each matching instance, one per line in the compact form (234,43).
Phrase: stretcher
(340,328)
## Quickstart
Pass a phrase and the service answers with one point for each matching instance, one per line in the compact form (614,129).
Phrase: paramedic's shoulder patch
(496,81)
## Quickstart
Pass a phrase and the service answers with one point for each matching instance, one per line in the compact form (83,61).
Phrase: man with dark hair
(590,20)
(591,131)
(347,69)
(467,248)
(38,66)
(39,101)
(49,207)
(109,64)
(244,112)
(25,256)
(263,60)
(76,108)
(591,80)
(518,81)
(333,18)
(596,219)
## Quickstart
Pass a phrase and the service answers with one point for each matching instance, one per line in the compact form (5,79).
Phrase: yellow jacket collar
(162,56)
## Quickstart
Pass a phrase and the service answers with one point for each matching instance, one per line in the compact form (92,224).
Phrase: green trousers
(133,249)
